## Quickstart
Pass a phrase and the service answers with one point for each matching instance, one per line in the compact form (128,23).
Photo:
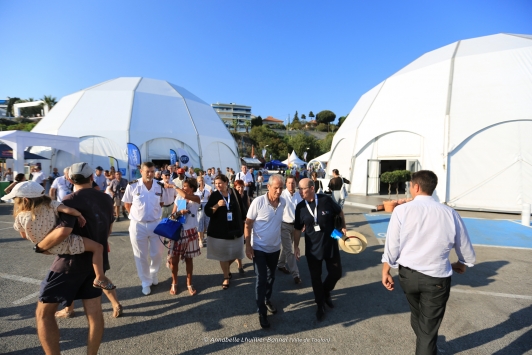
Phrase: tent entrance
(391,165)
(160,162)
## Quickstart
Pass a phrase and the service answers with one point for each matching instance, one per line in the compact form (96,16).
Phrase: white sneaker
(146,290)
(155,280)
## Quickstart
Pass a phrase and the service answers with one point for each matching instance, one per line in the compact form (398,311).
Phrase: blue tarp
(275,164)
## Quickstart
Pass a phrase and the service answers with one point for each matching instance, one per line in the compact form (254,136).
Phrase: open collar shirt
(421,235)
(291,202)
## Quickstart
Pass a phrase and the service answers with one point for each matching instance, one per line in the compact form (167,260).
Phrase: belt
(289,223)
(168,205)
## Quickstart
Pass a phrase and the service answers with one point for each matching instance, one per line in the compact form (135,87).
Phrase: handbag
(169,228)
(343,192)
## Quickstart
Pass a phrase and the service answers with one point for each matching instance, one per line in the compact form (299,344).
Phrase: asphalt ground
(489,310)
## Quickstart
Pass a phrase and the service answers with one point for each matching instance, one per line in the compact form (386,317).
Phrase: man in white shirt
(262,233)
(287,257)
(143,200)
(38,176)
(207,178)
(61,187)
(420,237)
(245,176)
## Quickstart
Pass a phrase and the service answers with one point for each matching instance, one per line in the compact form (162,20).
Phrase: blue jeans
(264,265)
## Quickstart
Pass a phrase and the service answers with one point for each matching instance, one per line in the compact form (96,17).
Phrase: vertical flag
(183,155)
(270,157)
(133,159)
(264,153)
(173,157)
(113,161)
(305,156)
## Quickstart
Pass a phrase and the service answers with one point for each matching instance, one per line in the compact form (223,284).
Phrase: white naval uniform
(145,214)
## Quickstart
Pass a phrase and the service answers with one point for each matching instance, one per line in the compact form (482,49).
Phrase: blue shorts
(65,288)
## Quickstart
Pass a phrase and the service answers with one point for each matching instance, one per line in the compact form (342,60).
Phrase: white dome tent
(153,114)
(463,111)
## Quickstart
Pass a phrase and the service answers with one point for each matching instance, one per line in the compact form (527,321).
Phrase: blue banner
(173,157)
(133,160)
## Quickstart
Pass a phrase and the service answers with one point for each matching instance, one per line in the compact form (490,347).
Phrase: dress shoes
(297,280)
(271,308)
(146,290)
(283,269)
(320,313)
(328,302)
(263,320)
(124,214)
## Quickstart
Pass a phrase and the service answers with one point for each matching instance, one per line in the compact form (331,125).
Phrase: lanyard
(228,200)
(315,214)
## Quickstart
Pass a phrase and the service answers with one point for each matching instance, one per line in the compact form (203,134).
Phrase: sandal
(191,290)
(117,311)
(225,286)
(174,290)
(64,314)
(104,285)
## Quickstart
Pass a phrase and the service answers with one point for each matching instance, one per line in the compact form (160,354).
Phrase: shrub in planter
(389,178)
(401,176)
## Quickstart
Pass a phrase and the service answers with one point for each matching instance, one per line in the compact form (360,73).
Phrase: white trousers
(287,257)
(146,245)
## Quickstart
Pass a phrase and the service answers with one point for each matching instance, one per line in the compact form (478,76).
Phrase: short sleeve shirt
(97,208)
(38,177)
(145,204)
(191,220)
(266,232)
(319,244)
(63,187)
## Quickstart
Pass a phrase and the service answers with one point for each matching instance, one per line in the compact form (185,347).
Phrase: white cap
(29,189)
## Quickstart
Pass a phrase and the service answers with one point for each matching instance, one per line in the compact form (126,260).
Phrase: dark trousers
(427,297)
(264,265)
(334,272)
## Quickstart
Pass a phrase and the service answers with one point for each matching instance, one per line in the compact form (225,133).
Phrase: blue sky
(276,56)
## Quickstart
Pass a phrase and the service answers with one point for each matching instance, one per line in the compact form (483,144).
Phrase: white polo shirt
(38,177)
(266,232)
(289,213)
(63,187)
(145,204)
(244,177)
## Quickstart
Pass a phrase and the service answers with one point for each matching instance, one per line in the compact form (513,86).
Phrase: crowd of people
(226,215)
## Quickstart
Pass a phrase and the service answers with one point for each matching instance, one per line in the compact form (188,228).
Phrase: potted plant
(389,178)
(402,176)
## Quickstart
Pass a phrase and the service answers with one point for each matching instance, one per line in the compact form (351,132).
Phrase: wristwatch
(37,249)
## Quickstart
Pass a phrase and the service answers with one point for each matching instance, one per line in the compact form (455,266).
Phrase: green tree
(234,124)
(311,114)
(263,136)
(296,118)
(326,143)
(300,142)
(303,116)
(257,121)
(341,120)
(326,117)
(247,124)
(49,100)
(322,127)
(11,101)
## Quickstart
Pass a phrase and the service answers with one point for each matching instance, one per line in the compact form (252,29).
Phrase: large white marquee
(153,114)
(463,111)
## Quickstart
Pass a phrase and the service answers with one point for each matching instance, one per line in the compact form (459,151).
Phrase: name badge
(230,216)
(317,228)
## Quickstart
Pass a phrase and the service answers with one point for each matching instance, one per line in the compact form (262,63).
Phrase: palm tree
(235,124)
(247,124)
(49,100)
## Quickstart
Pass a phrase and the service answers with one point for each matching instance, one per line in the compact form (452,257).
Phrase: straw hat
(353,242)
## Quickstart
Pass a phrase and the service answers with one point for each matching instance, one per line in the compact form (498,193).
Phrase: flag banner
(183,155)
(305,156)
(270,157)
(264,153)
(133,160)
(173,157)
